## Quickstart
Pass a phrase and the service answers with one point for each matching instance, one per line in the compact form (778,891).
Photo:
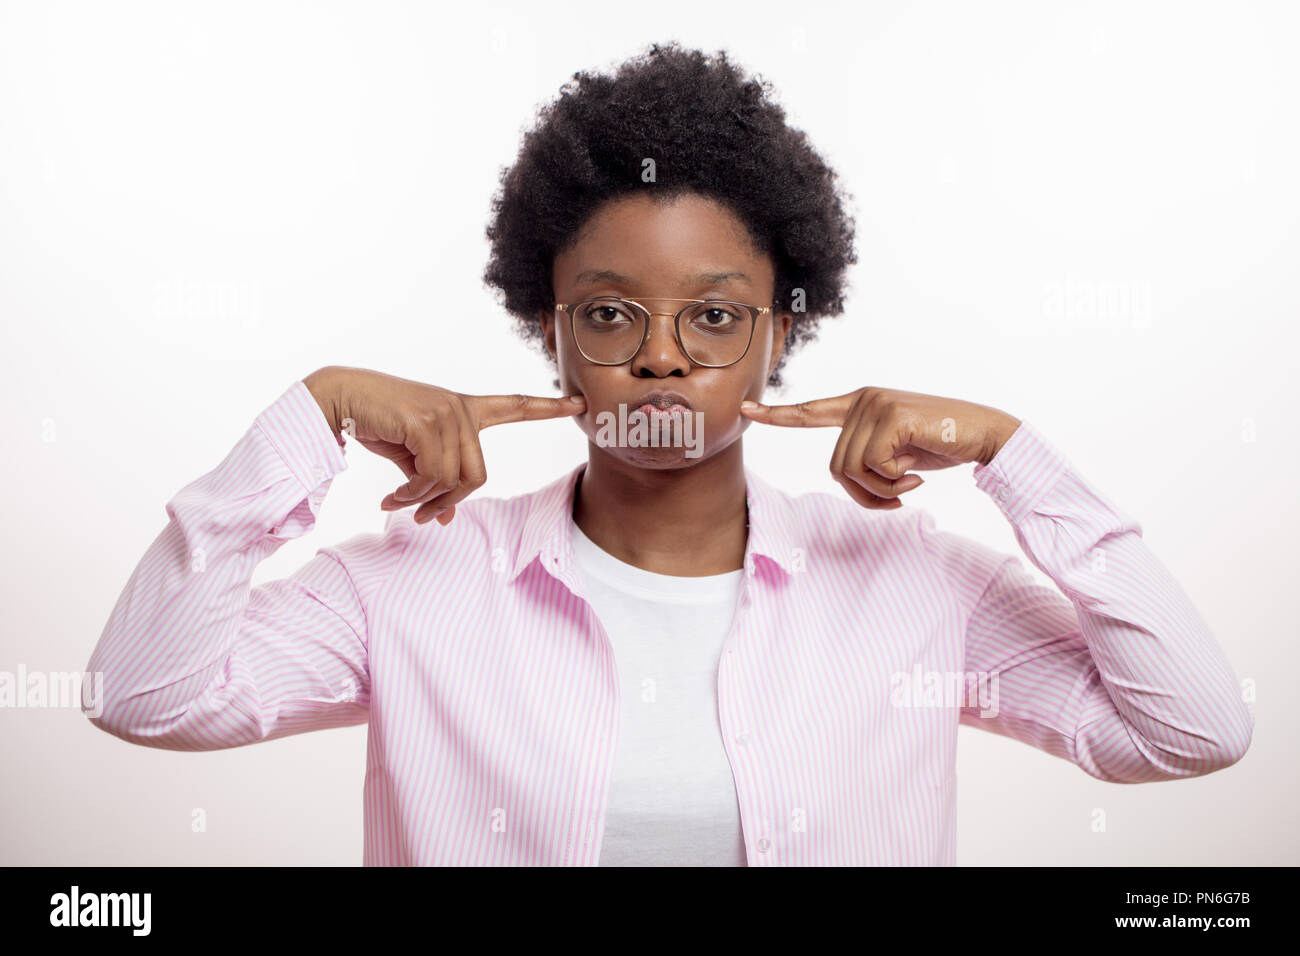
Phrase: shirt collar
(772,523)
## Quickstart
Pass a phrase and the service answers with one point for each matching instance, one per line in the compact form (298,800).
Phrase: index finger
(490,410)
(817,413)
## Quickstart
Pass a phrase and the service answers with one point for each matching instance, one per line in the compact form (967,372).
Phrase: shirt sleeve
(1116,671)
(192,657)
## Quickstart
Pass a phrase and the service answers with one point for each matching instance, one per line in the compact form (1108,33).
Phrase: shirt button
(1002,495)
(764,845)
(742,739)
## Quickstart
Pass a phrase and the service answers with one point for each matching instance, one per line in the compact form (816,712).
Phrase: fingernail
(748,405)
(577,399)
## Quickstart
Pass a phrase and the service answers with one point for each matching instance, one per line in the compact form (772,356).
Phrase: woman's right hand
(428,432)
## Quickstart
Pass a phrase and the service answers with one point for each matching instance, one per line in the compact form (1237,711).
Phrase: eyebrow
(594,276)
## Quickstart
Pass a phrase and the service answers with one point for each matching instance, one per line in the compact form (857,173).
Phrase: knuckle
(878,400)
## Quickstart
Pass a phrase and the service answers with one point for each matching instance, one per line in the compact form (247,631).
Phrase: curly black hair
(711,131)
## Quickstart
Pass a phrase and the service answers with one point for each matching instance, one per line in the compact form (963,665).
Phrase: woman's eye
(717,316)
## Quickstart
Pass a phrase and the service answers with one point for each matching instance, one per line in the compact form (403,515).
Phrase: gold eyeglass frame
(755,312)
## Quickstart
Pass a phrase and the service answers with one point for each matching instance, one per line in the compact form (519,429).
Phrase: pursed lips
(663,401)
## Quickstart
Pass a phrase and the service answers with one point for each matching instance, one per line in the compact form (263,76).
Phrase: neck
(687,522)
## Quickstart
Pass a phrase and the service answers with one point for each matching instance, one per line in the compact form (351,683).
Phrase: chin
(658,459)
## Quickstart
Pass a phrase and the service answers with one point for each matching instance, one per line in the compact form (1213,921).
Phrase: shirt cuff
(1025,468)
(296,427)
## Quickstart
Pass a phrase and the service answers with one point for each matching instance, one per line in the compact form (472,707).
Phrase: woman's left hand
(886,431)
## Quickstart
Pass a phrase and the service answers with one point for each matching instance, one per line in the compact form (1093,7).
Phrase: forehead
(687,240)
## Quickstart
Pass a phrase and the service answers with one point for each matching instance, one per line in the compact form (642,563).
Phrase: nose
(660,355)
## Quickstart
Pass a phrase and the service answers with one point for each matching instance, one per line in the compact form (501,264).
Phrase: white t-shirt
(673,800)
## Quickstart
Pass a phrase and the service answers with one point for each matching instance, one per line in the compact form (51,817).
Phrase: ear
(548,331)
(781,323)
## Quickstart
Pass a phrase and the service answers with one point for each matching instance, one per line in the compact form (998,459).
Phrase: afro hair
(711,131)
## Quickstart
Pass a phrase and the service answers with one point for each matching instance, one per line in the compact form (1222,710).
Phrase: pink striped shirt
(862,639)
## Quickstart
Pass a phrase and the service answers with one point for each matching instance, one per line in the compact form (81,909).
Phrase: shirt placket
(561,568)
(738,732)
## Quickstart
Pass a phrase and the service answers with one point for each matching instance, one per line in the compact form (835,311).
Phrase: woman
(657,658)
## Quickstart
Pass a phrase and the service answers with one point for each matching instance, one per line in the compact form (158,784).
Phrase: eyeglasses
(610,331)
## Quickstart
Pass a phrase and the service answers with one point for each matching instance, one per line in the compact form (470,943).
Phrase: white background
(1082,214)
